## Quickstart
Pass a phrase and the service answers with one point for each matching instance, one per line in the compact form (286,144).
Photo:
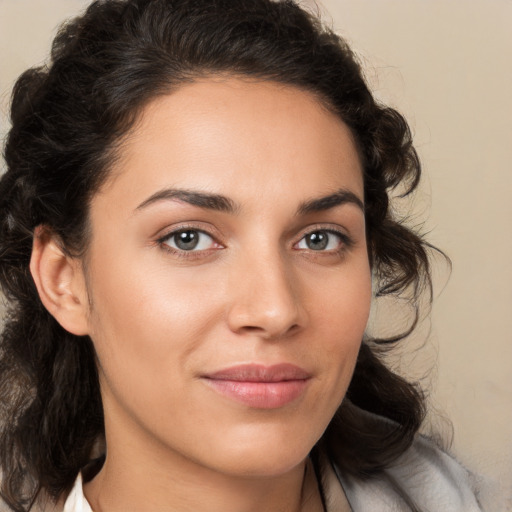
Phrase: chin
(265,454)
(266,465)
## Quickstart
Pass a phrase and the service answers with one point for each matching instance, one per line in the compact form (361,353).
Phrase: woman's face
(228,277)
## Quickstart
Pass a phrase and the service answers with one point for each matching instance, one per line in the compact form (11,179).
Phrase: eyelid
(173,230)
(333,228)
(203,227)
(346,240)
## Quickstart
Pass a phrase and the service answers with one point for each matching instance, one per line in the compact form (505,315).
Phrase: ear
(60,282)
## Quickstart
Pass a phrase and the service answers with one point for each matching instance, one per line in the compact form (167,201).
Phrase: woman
(194,213)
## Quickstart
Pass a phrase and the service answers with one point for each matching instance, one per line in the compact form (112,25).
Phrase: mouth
(259,386)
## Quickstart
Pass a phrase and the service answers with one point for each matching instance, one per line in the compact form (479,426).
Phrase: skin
(254,292)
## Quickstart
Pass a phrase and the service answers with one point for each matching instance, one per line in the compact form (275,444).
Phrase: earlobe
(60,282)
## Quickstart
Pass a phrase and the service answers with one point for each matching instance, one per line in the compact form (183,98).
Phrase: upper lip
(260,373)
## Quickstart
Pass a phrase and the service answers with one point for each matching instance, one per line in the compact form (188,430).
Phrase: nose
(266,299)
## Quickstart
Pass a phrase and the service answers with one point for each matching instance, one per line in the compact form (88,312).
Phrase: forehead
(246,139)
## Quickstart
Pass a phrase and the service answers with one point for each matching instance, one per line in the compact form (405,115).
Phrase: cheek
(342,316)
(145,322)
(342,305)
(148,332)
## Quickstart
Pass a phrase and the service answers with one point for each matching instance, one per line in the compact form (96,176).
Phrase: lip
(259,386)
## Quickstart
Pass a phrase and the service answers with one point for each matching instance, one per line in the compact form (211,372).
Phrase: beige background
(447,65)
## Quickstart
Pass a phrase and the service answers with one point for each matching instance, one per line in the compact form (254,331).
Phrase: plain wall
(447,65)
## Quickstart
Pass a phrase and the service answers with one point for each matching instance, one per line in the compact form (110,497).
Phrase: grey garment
(430,478)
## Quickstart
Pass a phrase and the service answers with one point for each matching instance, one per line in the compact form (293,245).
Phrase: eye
(321,240)
(189,240)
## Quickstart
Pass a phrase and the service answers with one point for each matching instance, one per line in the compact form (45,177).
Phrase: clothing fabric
(76,501)
(429,477)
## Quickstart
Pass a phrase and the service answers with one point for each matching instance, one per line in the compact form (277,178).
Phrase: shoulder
(424,475)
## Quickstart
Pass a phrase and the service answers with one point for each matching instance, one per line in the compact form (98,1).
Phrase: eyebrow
(339,198)
(201,199)
(224,204)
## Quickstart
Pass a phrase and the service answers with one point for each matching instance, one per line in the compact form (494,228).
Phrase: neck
(124,488)
(150,477)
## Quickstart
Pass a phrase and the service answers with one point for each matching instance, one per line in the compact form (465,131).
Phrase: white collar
(76,501)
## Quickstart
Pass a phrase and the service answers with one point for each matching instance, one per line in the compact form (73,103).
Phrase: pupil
(187,240)
(317,241)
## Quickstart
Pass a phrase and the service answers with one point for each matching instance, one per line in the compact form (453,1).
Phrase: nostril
(252,328)
(269,333)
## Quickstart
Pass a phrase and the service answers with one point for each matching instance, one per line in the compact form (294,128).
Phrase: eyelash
(345,242)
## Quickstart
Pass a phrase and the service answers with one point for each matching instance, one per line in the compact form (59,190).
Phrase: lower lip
(260,395)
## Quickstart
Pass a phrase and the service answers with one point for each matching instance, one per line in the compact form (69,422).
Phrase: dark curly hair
(67,120)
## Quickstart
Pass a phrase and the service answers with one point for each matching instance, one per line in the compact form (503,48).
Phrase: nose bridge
(266,296)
